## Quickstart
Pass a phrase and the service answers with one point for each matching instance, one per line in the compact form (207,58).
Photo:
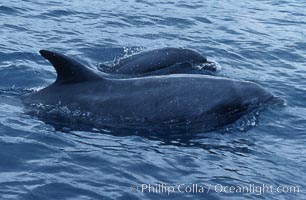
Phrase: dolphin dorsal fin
(67,69)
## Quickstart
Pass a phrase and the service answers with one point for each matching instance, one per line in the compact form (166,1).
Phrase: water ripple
(263,42)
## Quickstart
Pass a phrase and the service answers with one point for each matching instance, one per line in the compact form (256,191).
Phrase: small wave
(245,123)
(15,91)
(210,65)
(7,10)
(203,20)
(59,13)
(129,51)
(250,120)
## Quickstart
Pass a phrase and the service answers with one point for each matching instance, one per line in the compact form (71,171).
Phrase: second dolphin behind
(162,61)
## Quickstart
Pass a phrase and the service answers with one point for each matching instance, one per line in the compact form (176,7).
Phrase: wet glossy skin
(155,99)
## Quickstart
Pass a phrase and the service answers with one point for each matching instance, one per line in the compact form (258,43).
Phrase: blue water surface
(261,41)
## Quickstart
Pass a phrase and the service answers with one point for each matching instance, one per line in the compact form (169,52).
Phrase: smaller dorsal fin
(67,69)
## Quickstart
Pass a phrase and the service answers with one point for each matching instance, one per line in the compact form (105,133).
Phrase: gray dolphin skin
(165,100)
(162,61)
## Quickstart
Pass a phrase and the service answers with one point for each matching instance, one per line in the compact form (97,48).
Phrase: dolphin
(162,61)
(168,101)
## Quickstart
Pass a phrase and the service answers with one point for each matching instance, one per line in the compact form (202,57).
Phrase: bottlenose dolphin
(162,61)
(185,100)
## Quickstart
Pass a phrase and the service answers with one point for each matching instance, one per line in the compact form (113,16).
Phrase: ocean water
(260,41)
